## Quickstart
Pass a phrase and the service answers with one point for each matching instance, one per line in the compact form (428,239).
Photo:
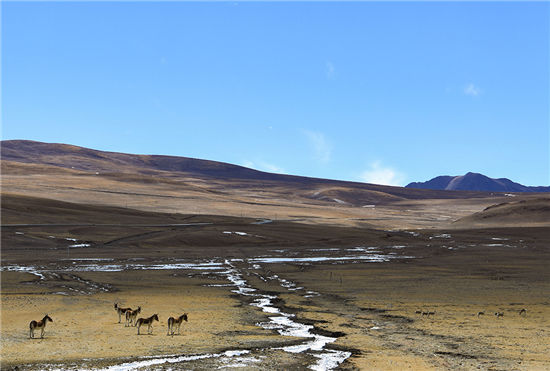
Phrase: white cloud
(472,90)
(321,147)
(263,166)
(330,70)
(378,174)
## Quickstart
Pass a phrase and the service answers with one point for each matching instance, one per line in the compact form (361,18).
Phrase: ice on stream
(286,326)
(172,359)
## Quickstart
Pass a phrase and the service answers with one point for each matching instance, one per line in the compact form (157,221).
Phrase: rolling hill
(187,186)
(20,154)
(534,212)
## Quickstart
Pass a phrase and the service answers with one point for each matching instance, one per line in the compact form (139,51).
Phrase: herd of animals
(132,320)
(174,323)
(497,314)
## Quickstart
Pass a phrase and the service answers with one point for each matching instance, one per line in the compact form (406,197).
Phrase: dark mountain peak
(474,182)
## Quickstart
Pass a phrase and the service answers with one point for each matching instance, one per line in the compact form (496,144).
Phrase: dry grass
(86,327)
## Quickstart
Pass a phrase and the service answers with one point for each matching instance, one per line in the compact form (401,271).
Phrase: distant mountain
(474,182)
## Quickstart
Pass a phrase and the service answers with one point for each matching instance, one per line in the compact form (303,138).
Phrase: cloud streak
(263,166)
(472,90)
(378,174)
(330,70)
(321,147)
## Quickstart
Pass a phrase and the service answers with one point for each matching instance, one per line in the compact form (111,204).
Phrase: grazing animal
(499,314)
(418,312)
(431,313)
(131,316)
(120,311)
(39,324)
(480,313)
(175,322)
(147,321)
(523,311)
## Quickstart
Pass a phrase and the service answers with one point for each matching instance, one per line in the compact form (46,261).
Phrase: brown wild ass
(39,324)
(121,311)
(147,321)
(175,322)
(131,316)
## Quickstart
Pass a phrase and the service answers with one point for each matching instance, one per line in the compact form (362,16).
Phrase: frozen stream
(286,326)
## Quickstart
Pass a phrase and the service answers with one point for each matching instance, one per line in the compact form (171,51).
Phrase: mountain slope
(169,167)
(474,182)
(80,158)
(533,212)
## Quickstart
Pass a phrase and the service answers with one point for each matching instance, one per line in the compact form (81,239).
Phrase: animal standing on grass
(523,312)
(121,311)
(39,324)
(147,321)
(175,322)
(131,316)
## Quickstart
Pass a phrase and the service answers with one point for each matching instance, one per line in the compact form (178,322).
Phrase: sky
(385,93)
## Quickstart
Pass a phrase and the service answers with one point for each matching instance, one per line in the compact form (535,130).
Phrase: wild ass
(175,322)
(523,311)
(121,311)
(39,324)
(131,316)
(147,321)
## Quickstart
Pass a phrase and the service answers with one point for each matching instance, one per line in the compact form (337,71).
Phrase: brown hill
(93,161)
(178,185)
(528,212)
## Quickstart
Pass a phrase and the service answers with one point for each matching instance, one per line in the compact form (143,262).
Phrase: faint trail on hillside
(133,237)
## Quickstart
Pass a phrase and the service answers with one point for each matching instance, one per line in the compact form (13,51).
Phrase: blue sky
(377,92)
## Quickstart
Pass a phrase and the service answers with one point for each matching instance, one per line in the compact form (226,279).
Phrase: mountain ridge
(475,182)
(94,161)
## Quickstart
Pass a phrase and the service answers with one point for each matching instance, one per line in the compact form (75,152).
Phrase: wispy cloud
(321,147)
(330,70)
(472,90)
(263,166)
(378,174)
